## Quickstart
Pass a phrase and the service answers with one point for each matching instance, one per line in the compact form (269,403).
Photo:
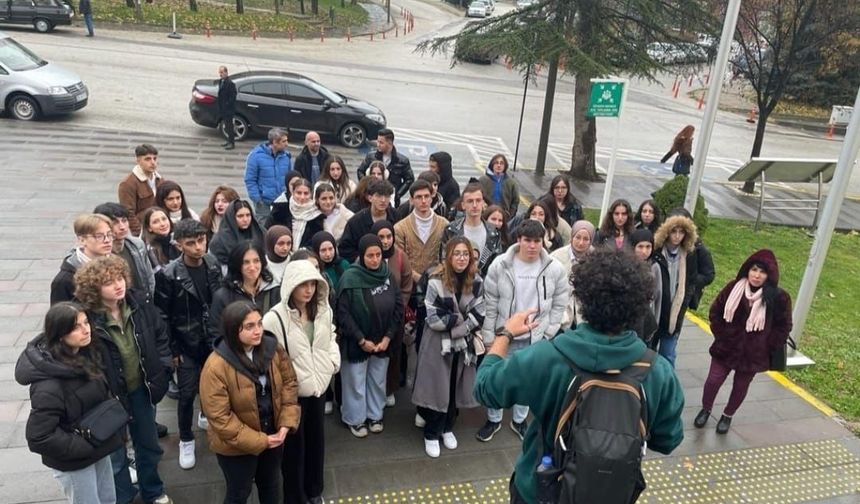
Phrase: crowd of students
(319,295)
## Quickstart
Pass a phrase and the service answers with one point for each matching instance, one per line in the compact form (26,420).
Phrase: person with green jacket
(614,290)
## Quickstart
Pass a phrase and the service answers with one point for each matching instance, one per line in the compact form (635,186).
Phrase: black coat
(185,312)
(63,284)
(399,172)
(84,7)
(150,334)
(281,215)
(268,297)
(226,97)
(303,163)
(60,395)
(704,272)
(358,226)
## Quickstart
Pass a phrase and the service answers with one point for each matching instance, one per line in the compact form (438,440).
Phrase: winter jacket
(281,215)
(60,395)
(399,172)
(448,186)
(358,226)
(386,312)
(447,317)
(150,334)
(315,363)
(229,235)
(136,196)
(572,311)
(733,345)
(422,255)
(184,310)
(304,162)
(669,310)
(228,398)
(500,289)
(268,297)
(510,193)
(492,245)
(226,97)
(703,265)
(137,249)
(607,240)
(63,284)
(538,377)
(84,7)
(265,173)
(437,204)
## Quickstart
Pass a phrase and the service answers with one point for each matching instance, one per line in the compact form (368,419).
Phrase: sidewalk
(780,449)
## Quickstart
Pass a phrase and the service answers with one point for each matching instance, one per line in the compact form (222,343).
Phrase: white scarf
(301,215)
(758,311)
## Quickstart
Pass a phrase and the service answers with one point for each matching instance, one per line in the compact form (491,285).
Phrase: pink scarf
(758,312)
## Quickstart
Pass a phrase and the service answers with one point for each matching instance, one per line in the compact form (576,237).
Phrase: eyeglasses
(250,326)
(461,254)
(102,237)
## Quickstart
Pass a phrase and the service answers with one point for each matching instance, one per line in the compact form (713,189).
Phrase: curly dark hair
(614,289)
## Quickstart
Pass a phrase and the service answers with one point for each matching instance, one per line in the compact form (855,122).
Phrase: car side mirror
(327,104)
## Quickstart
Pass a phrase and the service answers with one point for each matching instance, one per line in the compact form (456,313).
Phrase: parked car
(477,9)
(522,4)
(30,87)
(44,15)
(268,99)
(491,5)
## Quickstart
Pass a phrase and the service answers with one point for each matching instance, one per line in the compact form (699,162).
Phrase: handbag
(779,356)
(102,422)
(682,164)
(478,344)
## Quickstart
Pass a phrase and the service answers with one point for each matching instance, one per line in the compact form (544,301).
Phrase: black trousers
(229,130)
(442,421)
(241,472)
(188,381)
(304,454)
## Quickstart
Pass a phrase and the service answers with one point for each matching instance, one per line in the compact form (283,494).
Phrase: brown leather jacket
(136,196)
(228,398)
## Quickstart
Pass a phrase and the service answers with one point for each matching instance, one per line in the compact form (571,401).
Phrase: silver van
(30,87)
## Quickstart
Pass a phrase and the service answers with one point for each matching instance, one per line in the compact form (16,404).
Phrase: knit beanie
(641,235)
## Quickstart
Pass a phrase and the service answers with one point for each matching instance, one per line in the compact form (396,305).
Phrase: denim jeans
(667,346)
(363,390)
(520,412)
(146,449)
(91,485)
(88,20)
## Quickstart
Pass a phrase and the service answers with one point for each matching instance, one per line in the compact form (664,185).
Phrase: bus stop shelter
(787,171)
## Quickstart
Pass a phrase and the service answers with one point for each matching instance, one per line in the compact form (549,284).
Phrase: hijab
(274,234)
(379,226)
(229,235)
(358,278)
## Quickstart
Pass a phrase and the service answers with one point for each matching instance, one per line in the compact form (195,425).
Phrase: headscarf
(229,235)
(358,278)
(274,234)
(379,226)
(580,225)
(333,269)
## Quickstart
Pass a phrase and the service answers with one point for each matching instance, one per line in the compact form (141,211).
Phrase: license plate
(81,97)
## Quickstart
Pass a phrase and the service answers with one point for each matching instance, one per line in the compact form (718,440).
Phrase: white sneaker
(449,440)
(329,407)
(187,460)
(419,421)
(132,473)
(431,448)
(390,401)
(202,422)
(164,499)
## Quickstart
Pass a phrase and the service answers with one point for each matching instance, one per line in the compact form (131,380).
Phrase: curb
(776,375)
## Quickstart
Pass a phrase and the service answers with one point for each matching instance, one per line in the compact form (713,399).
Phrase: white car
(477,9)
(522,4)
(491,6)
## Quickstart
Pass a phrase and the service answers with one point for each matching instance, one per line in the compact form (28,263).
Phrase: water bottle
(547,481)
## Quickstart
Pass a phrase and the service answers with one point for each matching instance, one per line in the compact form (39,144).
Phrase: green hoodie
(539,375)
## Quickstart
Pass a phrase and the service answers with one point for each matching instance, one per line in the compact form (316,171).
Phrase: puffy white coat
(316,363)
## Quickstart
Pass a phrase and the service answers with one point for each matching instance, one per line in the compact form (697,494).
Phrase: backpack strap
(638,371)
(283,331)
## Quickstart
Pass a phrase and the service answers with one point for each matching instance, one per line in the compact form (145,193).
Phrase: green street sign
(605,99)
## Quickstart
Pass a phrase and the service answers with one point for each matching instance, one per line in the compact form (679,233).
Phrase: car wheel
(42,25)
(240,128)
(23,108)
(353,135)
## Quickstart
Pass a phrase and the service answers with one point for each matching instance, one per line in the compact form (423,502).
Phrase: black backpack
(600,438)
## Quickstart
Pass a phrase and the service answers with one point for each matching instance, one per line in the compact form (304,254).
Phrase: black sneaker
(161,429)
(520,428)
(488,431)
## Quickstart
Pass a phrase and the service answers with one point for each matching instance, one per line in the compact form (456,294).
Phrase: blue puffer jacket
(264,173)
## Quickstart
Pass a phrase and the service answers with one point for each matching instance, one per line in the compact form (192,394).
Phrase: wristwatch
(501,332)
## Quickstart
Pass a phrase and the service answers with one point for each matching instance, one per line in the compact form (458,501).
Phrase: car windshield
(17,57)
(328,94)
(477,4)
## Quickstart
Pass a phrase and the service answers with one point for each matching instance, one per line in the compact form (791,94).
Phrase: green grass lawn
(831,334)
(222,16)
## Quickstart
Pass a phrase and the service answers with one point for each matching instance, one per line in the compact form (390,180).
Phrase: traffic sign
(605,99)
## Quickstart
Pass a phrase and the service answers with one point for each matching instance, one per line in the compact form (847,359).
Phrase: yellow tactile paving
(778,474)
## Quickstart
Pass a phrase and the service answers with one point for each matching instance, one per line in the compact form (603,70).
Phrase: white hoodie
(316,363)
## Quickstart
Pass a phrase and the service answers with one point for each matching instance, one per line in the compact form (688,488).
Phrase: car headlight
(379,118)
(57,90)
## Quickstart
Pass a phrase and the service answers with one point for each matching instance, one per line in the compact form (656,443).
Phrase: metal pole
(827,222)
(610,172)
(714,90)
(522,112)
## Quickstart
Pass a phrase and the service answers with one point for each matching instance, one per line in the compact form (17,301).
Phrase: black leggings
(241,472)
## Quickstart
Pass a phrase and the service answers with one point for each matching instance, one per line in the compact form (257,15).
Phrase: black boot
(724,424)
(702,418)
(230,146)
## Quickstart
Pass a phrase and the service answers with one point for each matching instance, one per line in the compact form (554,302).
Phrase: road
(141,81)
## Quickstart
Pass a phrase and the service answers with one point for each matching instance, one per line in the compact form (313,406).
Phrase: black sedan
(267,99)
